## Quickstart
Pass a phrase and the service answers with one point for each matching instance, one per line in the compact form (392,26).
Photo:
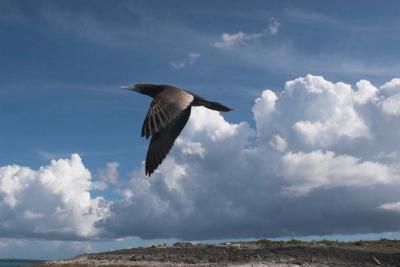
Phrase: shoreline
(250,253)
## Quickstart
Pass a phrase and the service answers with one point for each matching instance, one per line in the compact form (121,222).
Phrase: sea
(17,263)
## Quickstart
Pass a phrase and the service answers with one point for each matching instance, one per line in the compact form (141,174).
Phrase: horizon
(311,148)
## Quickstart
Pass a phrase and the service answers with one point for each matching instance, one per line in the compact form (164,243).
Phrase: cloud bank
(322,158)
(53,202)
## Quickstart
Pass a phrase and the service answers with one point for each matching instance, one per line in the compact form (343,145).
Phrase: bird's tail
(214,105)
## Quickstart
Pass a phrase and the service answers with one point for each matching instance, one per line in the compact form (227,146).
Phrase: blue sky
(62,65)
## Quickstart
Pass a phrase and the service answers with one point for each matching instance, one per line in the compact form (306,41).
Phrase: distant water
(16,263)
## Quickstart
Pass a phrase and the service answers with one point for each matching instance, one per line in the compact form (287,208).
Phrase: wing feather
(164,108)
(162,141)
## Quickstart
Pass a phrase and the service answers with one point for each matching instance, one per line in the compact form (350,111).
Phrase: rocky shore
(257,253)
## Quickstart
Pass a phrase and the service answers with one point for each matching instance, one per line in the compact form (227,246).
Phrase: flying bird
(167,116)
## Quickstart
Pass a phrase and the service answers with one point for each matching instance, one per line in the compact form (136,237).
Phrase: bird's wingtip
(149,172)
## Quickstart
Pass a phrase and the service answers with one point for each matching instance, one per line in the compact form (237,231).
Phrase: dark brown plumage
(167,116)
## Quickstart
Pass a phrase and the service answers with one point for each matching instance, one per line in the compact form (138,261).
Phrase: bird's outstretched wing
(162,141)
(164,108)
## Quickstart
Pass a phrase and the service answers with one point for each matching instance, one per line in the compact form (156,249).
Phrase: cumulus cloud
(322,158)
(307,171)
(110,172)
(315,163)
(53,202)
(335,120)
(391,105)
(390,97)
(317,112)
(278,143)
(365,93)
(190,148)
(190,60)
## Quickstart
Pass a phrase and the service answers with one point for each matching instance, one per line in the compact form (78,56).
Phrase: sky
(311,149)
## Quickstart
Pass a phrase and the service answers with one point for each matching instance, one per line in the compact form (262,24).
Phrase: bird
(167,116)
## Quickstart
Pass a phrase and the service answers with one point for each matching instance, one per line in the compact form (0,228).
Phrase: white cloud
(392,86)
(256,182)
(263,109)
(278,143)
(190,148)
(211,125)
(391,105)
(273,26)
(391,206)
(318,112)
(365,93)
(389,99)
(190,60)
(110,173)
(56,197)
(264,105)
(229,40)
(317,169)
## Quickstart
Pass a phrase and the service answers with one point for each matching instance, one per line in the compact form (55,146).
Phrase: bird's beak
(128,87)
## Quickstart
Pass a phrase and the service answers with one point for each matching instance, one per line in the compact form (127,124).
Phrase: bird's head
(131,88)
(146,89)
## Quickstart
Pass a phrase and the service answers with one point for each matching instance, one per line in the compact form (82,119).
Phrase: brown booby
(168,113)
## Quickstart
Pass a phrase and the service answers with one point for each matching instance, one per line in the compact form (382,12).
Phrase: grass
(384,243)
(268,242)
(387,243)
(392,245)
